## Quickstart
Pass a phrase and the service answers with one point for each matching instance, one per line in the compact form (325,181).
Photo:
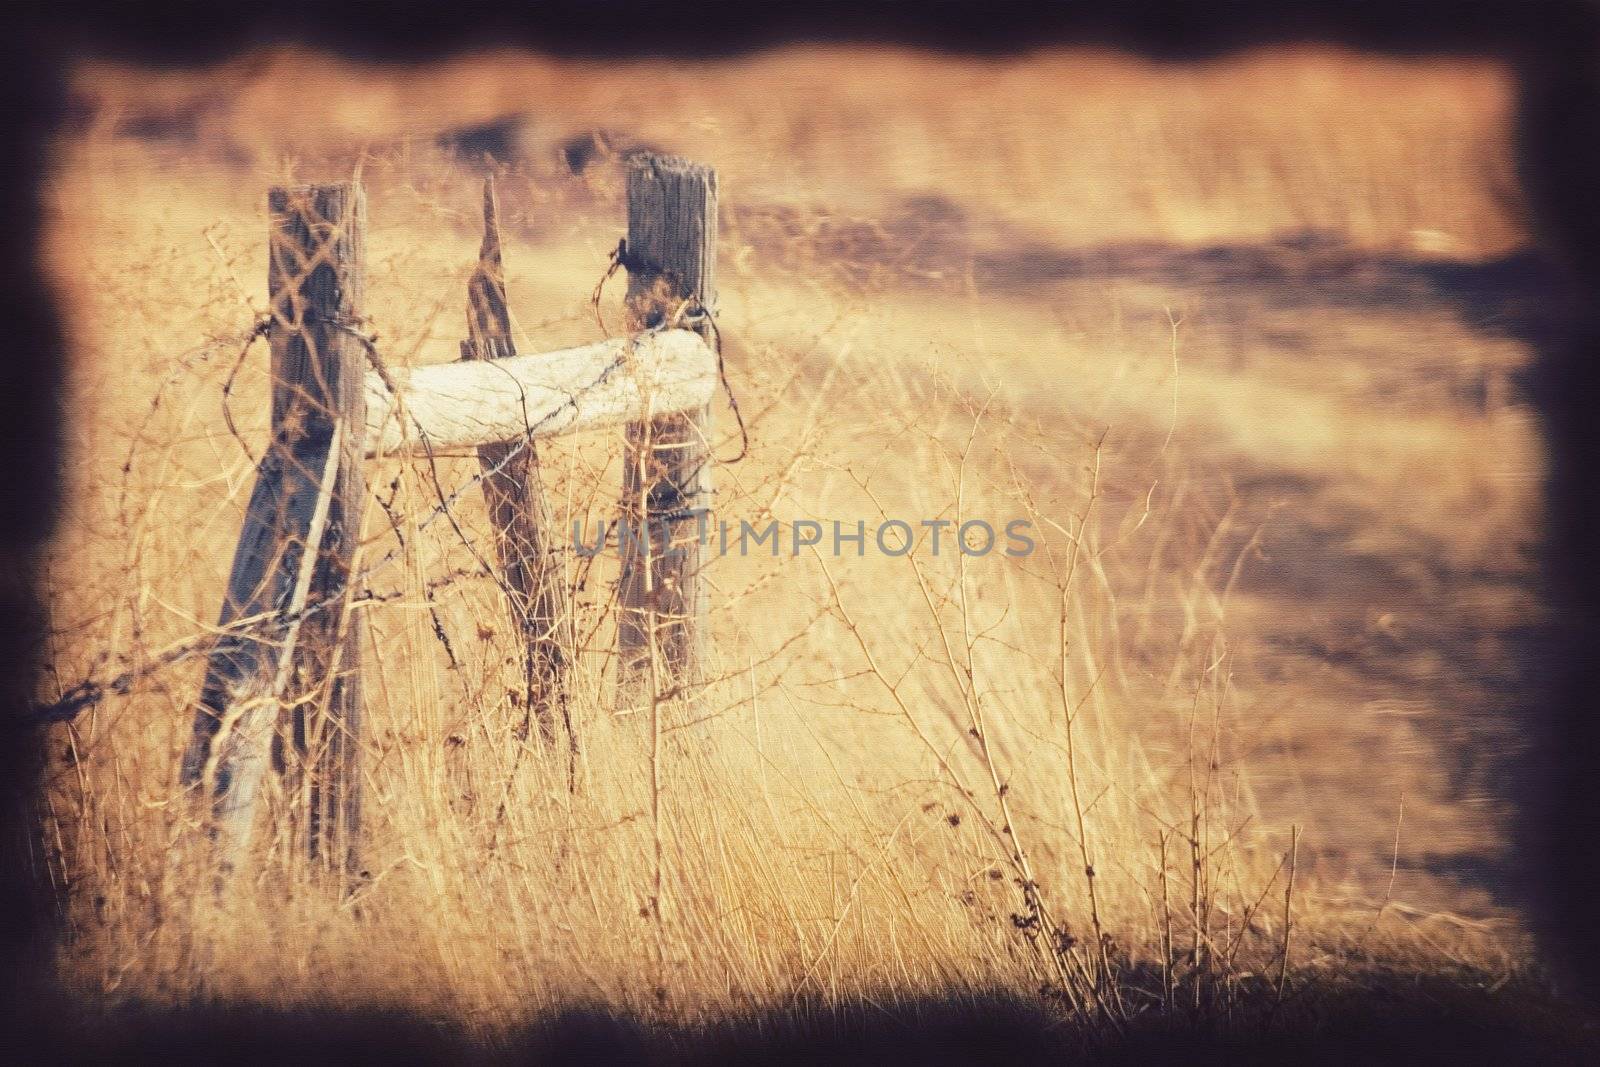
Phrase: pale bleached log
(476,402)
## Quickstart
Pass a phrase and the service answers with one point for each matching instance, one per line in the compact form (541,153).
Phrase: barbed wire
(92,691)
(691,313)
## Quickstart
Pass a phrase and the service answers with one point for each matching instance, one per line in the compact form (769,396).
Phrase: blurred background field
(1251,341)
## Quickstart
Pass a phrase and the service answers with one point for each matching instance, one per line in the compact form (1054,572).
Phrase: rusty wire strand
(90,691)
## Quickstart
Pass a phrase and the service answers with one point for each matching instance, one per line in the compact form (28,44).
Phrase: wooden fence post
(291,570)
(535,582)
(666,486)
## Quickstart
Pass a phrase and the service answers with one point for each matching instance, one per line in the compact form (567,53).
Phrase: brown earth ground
(1286,298)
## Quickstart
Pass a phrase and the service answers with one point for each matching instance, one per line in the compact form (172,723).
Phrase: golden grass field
(1242,338)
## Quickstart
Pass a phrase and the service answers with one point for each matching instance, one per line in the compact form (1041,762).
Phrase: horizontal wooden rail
(477,402)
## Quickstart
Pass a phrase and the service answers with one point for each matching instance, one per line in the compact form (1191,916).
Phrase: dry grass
(908,768)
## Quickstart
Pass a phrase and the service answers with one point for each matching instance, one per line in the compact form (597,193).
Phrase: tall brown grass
(929,772)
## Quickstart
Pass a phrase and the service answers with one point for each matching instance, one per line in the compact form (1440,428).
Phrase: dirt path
(1385,620)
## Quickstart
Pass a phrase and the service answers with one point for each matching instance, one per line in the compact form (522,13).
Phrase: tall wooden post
(534,580)
(666,484)
(297,546)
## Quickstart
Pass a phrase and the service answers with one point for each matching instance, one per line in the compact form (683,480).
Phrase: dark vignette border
(1553,46)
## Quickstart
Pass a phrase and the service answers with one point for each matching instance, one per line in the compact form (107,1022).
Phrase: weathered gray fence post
(534,580)
(291,570)
(666,487)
